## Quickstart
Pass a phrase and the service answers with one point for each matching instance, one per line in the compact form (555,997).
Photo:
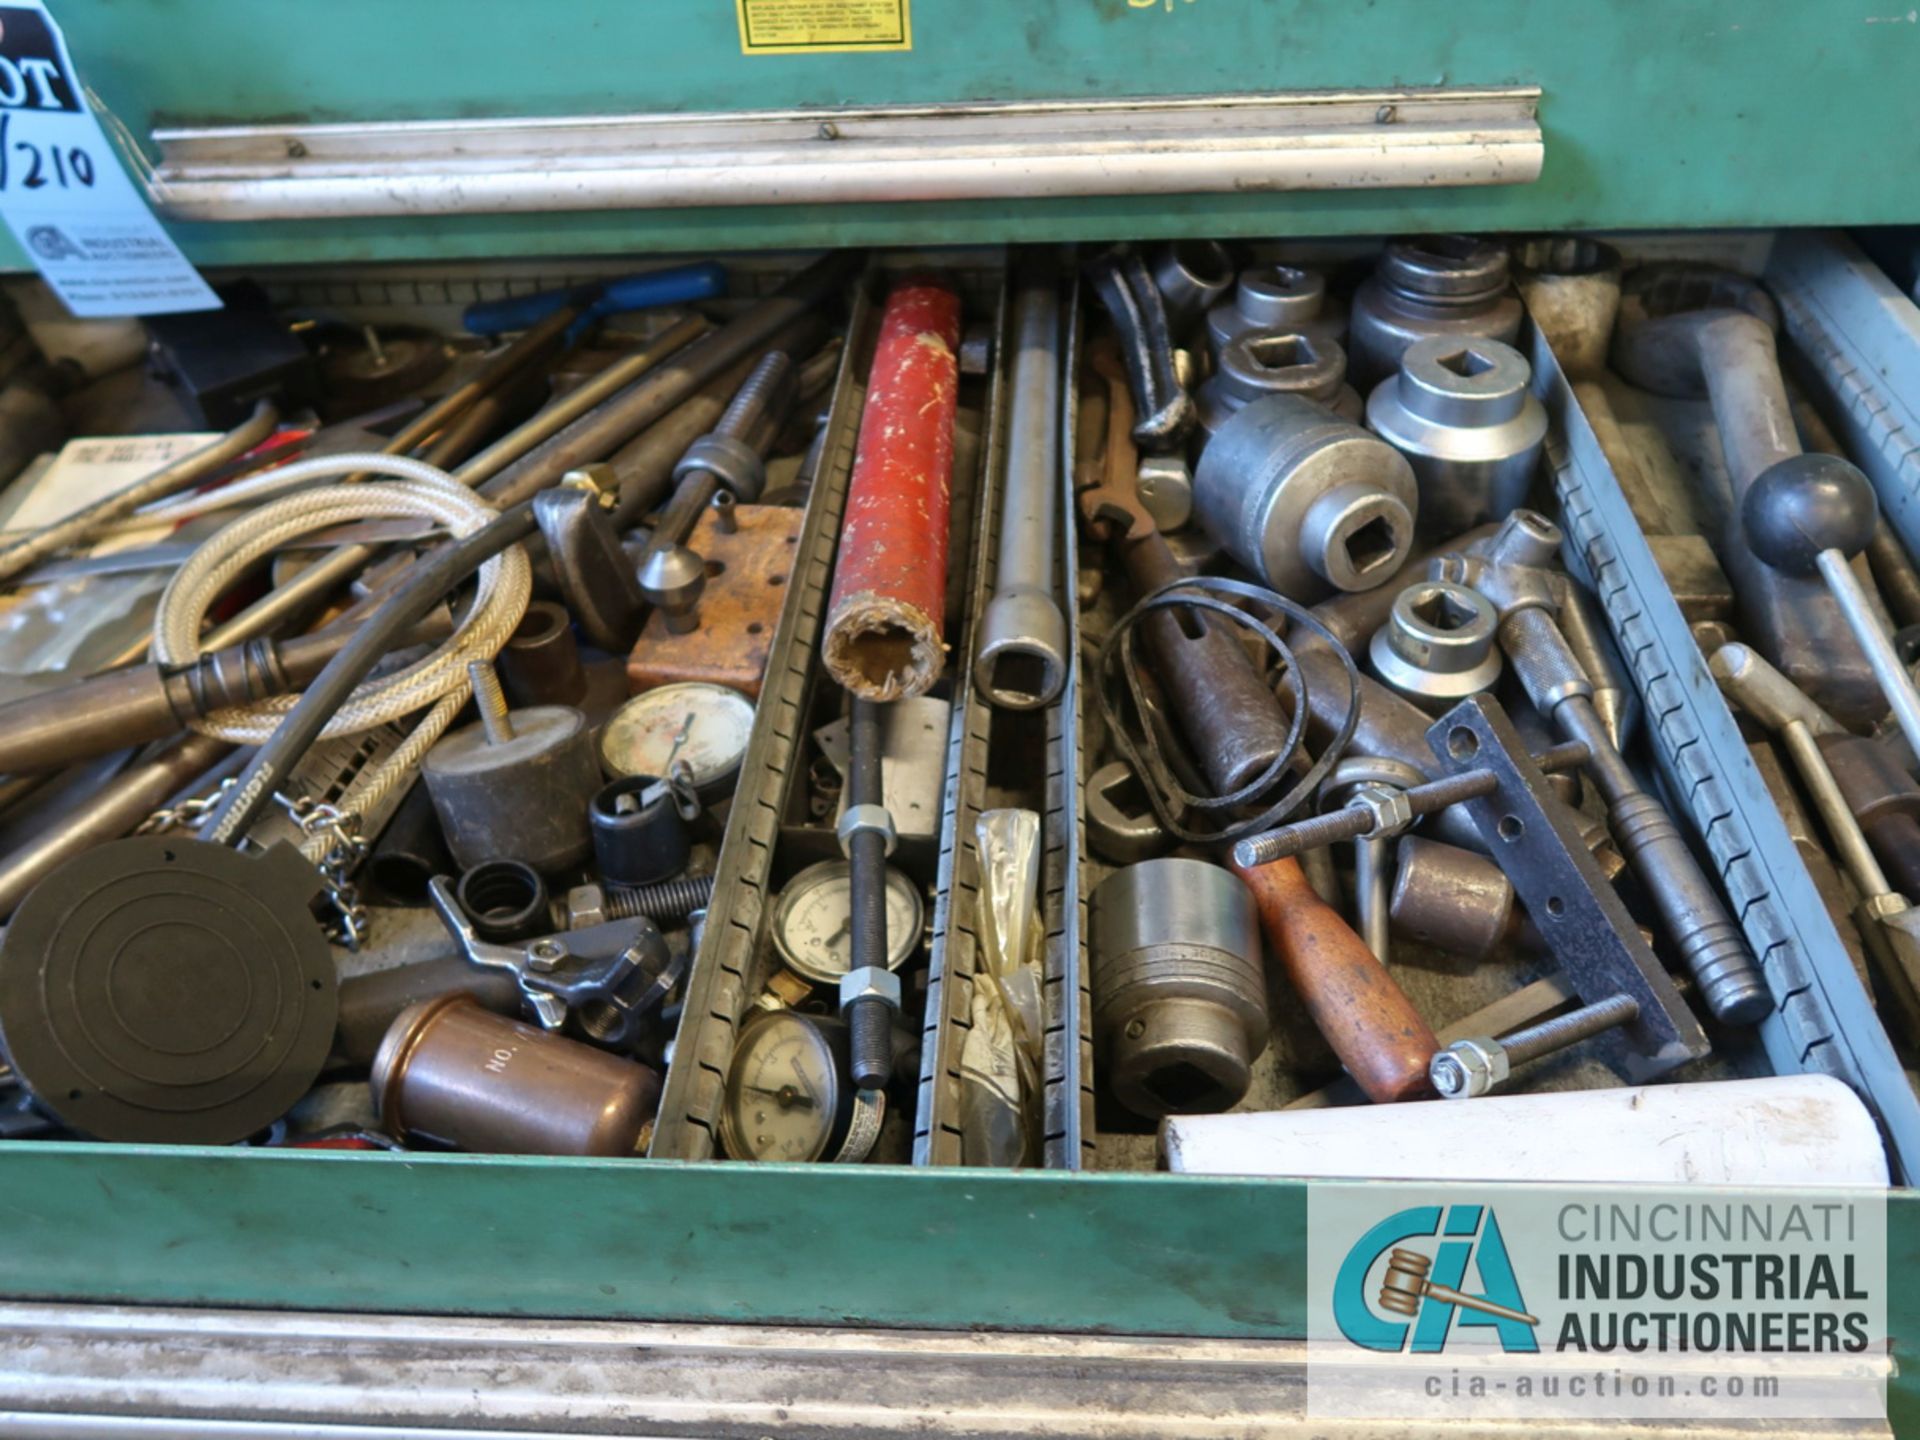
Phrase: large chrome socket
(1452,285)
(1179,991)
(1305,500)
(1461,412)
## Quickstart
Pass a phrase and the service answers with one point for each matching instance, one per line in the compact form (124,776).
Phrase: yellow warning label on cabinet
(804,27)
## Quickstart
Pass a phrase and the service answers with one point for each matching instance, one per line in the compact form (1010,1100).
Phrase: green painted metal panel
(808,1244)
(594,1239)
(1657,112)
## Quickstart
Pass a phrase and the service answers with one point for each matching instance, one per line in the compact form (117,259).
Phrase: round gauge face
(783,1092)
(813,924)
(706,726)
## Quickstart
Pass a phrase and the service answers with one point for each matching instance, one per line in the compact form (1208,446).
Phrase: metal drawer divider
(1823,1022)
(1859,337)
(1067,1083)
(936,1127)
(717,991)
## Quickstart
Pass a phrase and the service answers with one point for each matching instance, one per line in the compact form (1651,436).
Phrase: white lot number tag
(64,195)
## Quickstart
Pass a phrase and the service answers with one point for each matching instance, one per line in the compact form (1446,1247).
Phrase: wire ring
(1173,802)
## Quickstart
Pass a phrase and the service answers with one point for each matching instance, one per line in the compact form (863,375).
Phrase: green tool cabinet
(313,136)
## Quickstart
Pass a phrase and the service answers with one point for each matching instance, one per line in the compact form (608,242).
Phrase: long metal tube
(114,813)
(1022,661)
(554,418)
(769,323)
(188,470)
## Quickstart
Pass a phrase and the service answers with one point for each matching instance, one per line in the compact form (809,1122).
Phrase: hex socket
(1179,987)
(1305,500)
(451,1072)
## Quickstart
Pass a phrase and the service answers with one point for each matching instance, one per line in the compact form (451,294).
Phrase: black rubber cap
(1805,504)
(169,991)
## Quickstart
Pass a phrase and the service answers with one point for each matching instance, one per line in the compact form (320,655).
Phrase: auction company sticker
(64,195)
(808,27)
(1602,1302)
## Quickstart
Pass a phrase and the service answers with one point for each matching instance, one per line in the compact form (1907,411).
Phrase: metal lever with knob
(672,577)
(1406,1284)
(1809,515)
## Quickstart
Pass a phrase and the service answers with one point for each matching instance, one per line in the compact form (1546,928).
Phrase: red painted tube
(884,637)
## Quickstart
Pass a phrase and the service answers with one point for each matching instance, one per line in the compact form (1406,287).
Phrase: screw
(495,719)
(1472,1067)
(725,518)
(1352,821)
(545,956)
(755,397)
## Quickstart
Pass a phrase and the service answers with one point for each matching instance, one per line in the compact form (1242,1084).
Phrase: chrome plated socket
(1438,645)
(1452,285)
(1461,412)
(1305,500)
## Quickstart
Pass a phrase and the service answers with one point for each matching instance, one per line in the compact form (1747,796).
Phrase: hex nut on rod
(1475,1066)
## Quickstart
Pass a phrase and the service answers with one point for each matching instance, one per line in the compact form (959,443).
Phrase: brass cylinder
(453,1072)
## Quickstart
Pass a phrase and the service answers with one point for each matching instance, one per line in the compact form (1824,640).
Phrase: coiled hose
(437,684)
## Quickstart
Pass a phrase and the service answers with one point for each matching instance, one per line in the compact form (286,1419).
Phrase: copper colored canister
(451,1071)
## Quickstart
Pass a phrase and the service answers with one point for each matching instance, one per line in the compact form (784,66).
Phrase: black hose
(869,1020)
(430,581)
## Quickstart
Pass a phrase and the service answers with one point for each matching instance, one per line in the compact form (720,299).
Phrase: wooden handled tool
(1366,1017)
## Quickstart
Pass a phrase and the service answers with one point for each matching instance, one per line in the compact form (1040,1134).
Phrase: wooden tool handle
(1365,1016)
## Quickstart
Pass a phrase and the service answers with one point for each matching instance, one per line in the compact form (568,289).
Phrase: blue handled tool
(645,291)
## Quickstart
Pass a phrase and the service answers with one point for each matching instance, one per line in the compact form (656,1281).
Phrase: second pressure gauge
(813,921)
(701,725)
(787,1096)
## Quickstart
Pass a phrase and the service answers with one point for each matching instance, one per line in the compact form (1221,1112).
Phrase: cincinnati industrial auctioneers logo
(1544,1302)
(1413,1279)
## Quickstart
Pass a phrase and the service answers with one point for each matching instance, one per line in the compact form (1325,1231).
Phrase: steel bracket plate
(1595,942)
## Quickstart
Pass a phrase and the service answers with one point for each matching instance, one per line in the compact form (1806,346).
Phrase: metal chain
(341,850)
(188,812)
(344,847)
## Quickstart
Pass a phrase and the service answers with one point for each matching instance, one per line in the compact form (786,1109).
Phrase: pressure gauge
(702,725)
(813,921)
(789,1096)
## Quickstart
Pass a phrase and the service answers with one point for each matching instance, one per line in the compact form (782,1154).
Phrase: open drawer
(920,1239)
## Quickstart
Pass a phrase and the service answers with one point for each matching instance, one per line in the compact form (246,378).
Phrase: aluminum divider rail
(1858,337)
(955,941)
(1067,1130)
(718,990)
(1824,1021)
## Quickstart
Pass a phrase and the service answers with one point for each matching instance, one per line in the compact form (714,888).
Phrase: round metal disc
(168,990)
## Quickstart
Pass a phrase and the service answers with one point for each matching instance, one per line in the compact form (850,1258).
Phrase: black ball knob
(1805,504)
